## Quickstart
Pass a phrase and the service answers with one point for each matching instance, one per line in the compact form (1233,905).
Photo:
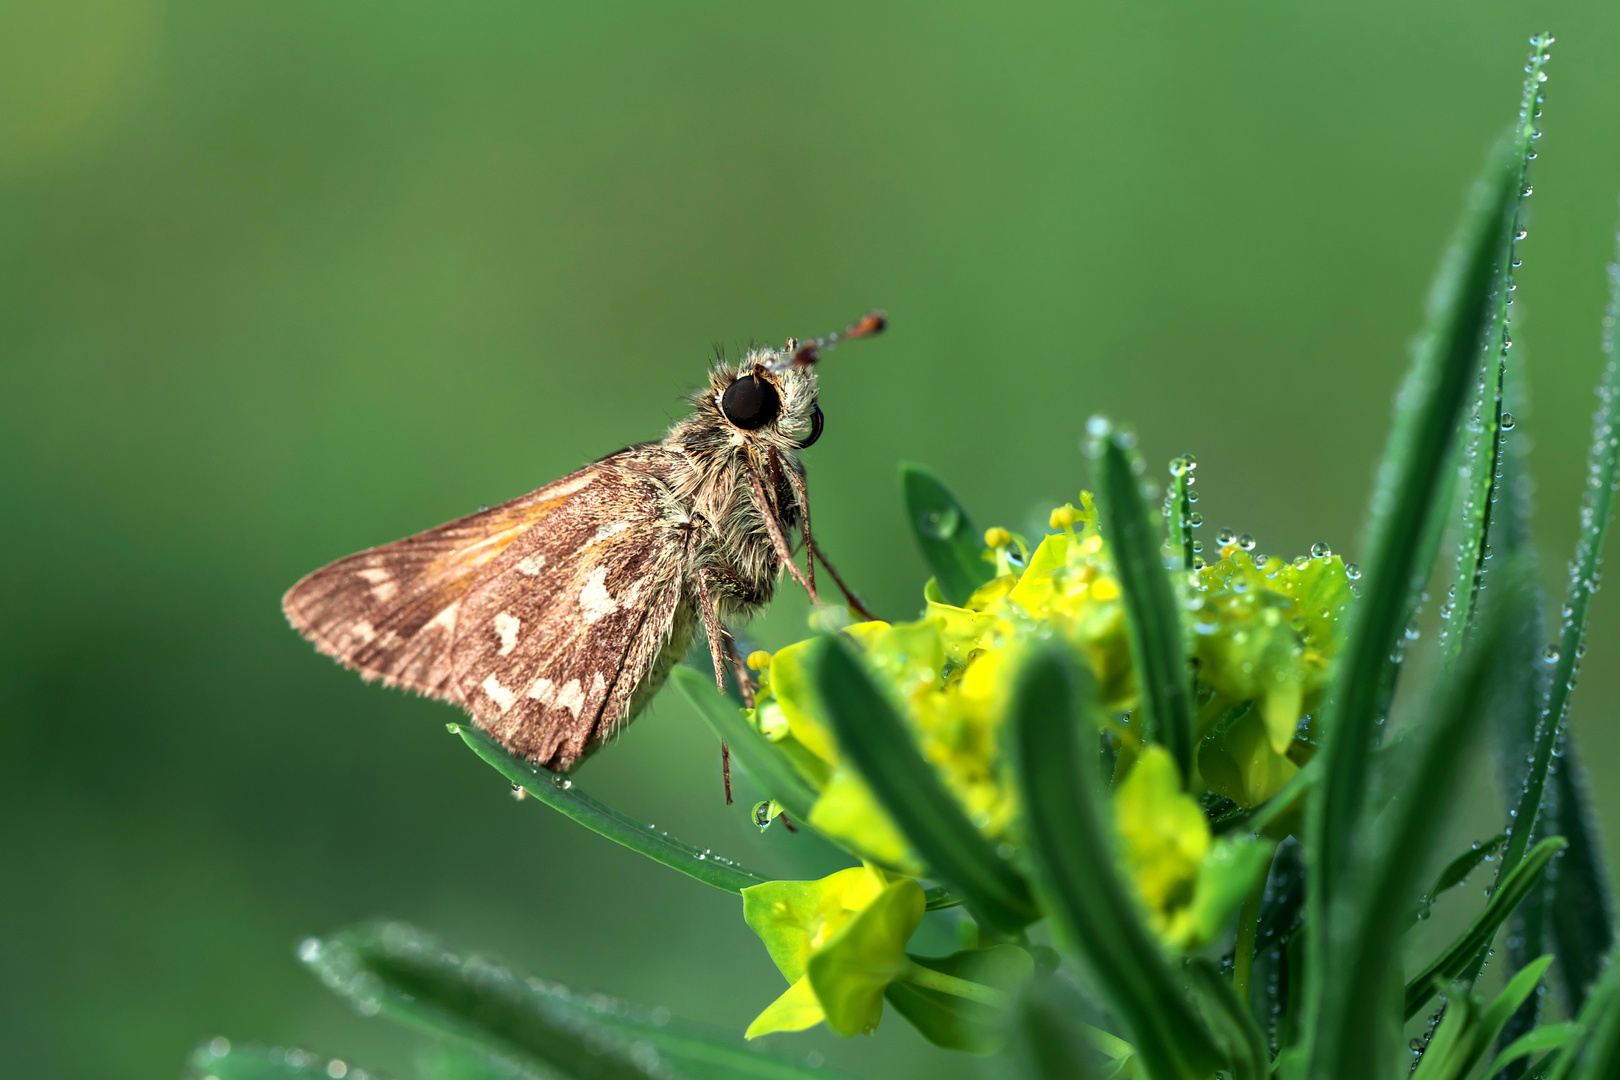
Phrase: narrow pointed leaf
(1157,648)
(1354,1019)
(1580,914)
(400,973)
(1541,1039)
(1456,872)
(1456,957)
(1426,420)
(1595,1051)
(874,738)
(952,547)
(1481,451)
(1233,1023)
(774,774)
(219,1059)
(565,797)
(1089,905)
(1603,470)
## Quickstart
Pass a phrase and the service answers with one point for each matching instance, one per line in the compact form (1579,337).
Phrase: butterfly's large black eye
(816,422)
(750,403)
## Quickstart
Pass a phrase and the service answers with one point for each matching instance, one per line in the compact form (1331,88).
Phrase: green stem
(1248,929)
(927,977)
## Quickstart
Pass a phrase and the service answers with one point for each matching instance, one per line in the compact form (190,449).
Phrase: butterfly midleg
(849,596)
(716,633)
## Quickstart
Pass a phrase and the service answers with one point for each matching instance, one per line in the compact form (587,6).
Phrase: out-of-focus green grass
(278,283)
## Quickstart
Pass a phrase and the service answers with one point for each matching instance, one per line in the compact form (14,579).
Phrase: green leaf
(398,972)
(1513,995)
(1579,911)
(874,738)
(774,774)
(560,793)
(1546,1037)
(1482,445)
(1456,872)
(952,547)
(1445,1056)
(1426,420)
(1047,1040)
(1593,1052)
(1231,1021)
(1178,517)
(1602,471)
(219,1059)
(1158,650)
(1354,1022)
(956,1022)
(1456,956)
(1089,906)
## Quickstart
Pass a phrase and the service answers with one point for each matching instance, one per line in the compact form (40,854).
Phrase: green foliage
(950,545)
(1158,652)
(1149,752)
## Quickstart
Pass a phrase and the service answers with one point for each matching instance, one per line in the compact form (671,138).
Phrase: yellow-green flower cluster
(1263,635)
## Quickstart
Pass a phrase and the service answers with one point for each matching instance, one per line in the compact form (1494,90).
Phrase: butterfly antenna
(808,352)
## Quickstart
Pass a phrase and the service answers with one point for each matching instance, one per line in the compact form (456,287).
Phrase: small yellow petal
(795,1010)
(997,537)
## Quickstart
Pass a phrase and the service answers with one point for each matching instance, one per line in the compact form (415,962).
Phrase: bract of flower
(838,941)
(1188,883)
(1268,635)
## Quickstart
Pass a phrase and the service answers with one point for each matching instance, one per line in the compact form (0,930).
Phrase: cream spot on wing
(375,575)
(506,625)
(530,565)
(571,697)
(606,531)
(499,694)
(444,620)
(543,691)
(598,684)
(384,591)
(594,600)
(364,631)
(389,641)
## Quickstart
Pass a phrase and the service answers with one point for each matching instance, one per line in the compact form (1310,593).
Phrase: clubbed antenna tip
(808,352)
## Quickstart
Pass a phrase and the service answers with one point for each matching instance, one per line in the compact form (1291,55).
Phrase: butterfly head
(771,396)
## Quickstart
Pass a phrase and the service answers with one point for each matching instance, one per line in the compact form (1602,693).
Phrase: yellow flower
(839,942)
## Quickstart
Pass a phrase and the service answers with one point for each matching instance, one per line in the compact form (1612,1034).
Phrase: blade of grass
(1090,908)
(407,976)
(559,793)
(1603,470)
(775,775)
(952,547)
(1425,423)
(1158,650)
(1481,451)
(1353,1019)
(875,740)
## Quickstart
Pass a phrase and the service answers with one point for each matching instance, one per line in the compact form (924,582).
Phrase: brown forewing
(558,635)
(391,612)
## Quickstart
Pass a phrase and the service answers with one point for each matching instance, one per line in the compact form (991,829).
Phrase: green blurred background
(281,281)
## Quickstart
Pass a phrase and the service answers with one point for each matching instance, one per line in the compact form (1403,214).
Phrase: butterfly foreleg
(774,529)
